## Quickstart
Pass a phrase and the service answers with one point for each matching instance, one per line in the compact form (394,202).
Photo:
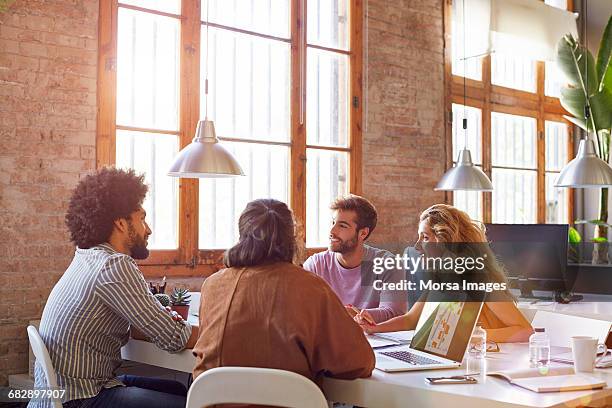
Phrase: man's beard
(344,247)
(137,245)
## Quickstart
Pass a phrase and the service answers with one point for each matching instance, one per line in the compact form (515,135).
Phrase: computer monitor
(534,255)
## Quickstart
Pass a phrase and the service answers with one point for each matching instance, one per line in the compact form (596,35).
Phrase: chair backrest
(42,356)
(250,385)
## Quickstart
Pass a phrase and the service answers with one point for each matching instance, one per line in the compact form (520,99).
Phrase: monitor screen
(446,329)
(534,252)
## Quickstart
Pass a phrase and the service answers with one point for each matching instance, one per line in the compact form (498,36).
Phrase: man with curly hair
(89,312)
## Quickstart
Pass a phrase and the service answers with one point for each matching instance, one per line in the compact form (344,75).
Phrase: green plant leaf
(604,140)
(604,58)
(571,60)
(599,239)
(572,99)
(576,121)
(593,222)
(601,109)
(574,236)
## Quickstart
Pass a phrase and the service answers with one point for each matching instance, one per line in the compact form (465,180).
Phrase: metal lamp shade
(464,176)
(586,170)
(205,156)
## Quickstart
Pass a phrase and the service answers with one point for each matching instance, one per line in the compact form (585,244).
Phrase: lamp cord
(587,107)
(206,77)
(464,121)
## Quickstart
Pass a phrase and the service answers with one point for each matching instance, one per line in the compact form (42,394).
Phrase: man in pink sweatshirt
(347,263)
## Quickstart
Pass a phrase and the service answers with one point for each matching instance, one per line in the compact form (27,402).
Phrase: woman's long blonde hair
(450,224)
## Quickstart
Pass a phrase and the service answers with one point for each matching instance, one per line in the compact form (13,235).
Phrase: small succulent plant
(180,297)
(163,299)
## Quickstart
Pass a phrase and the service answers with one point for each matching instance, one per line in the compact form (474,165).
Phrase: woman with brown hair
(444,223)
(265,311)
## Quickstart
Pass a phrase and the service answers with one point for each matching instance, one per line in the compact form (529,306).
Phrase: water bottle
(539,348)
(478,343)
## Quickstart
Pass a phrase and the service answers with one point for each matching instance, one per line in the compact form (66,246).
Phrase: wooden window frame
(188,259)
(490,98)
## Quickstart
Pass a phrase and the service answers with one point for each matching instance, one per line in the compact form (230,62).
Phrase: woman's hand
(366,321)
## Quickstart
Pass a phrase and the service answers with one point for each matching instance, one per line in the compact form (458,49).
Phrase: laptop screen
(446,331)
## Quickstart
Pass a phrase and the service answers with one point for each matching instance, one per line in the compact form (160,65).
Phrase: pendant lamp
(205,156)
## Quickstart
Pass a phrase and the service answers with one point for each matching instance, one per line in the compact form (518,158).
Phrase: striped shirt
(87,319)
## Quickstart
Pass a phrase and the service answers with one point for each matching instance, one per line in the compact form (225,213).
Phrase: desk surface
(395,389)
(388,390)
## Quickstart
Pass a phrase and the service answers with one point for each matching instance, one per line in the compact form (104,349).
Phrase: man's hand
(366,321)
(175,316)
(351,310)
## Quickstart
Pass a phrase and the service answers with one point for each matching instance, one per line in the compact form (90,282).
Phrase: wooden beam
(107,83)
(448,98)
(541,145)
(487,199)
(356,101)
(190,49)
(298,112)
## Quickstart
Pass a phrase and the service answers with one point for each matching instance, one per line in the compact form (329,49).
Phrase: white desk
(388,390)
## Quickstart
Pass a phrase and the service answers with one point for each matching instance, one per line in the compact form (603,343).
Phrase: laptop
(439,342)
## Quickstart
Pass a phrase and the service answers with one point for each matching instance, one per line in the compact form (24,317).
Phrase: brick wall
(48,58)
(403,141)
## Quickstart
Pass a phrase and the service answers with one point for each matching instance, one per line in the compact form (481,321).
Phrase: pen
(365,317)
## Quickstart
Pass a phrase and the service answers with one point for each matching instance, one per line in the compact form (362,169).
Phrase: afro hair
(98,200)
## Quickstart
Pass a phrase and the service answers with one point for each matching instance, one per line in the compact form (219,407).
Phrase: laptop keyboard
(409,357)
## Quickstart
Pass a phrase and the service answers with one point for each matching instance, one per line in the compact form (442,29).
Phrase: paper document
(377,342)
(404,336)
(557,379)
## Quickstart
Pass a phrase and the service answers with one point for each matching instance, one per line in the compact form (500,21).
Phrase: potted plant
(600,244)
(590,84)
(179,301)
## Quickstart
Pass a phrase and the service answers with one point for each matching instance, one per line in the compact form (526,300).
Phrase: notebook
(557,379)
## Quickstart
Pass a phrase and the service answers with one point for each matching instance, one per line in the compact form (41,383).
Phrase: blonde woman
(502,320)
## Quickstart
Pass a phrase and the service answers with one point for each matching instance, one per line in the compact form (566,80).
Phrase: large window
(516,130)
(285,98)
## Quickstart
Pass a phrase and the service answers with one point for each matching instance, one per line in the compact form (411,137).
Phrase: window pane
(269,17)
(465,62)
(513,72)
(153,154)
(328,23)
(474,139)
(554,77)
(562,4)
(557,201)
(223,200)
(556,145)
(555,80)
(470,202)
(248,85)
(326,180)
(167,6)
(514,196)
(327,98)
(513,140)
(147,70)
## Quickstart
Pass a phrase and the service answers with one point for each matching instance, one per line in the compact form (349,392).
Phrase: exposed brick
(403,141)
(48,57)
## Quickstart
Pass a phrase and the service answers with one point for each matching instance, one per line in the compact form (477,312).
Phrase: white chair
(42,356)
(250,385)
